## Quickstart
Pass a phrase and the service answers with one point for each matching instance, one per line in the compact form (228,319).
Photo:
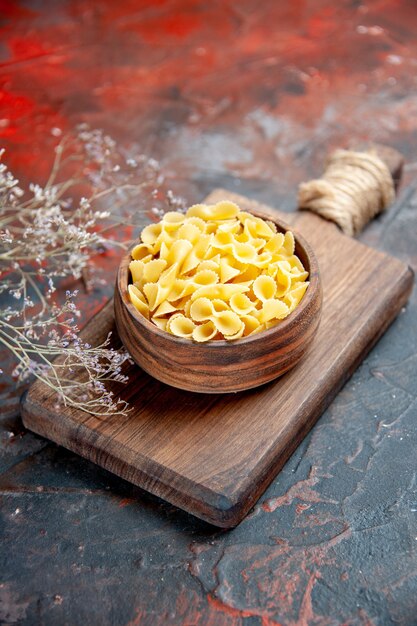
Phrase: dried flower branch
(45,238)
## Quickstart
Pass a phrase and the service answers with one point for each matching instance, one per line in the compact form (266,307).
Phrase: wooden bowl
(221,366)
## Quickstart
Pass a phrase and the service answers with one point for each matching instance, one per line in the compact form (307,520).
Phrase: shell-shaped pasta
(187,307)
(289,243)
(273,309)
(180,249)
(251,324)
(173,217)
(204,332)
(224,292)
(224,210)
(219,306)
(257,243)
(294,297)
(275,244)
(228,269)
(153,270)
(297,276)
(164,251)
(263,261)
(199,210)
(295,262)
(201,309)
(215,272)
(161,322)
(165,237)
(272,226)
(197,254)
(211,264)
(138,300)
(229,226)
(256,227)
(243,216)
(141,250)
(197,221)
(227,322)
(151,233)
(223,240)
(244,252)
(188,231)
(241,304)
(205,277)
(259,329)
(272,270)
(165,308)
(136,269)
(172,220)
(238,334)
(168,277)
(181,326)
(264,287)
(154,294)
(248,275)
(283,279)
(177,290)
(211,228)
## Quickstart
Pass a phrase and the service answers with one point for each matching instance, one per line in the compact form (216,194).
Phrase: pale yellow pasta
(151,233)
(224,292)
(211,264)
(199,252)
(197,221)
(160,322)
(283,280)
(136,269)
(181,326)
(264,260)
(227,322)
(219,306)
(294,296)
(165,308)
(204,332)
(238,334)
(190,232)
(205,277)
(241,304)
(138,300)
(179,250)
(272,309)
(153,270)
(244,252)
(214,273)
(172,220)
(228,269)
(275,244)
(289,243)
(264,287)
(201,310)
(140,251)
(251,324)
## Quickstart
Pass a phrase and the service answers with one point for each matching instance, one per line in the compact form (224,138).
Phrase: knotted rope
(354,188)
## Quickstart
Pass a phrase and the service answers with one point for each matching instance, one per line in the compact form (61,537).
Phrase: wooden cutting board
(214,455)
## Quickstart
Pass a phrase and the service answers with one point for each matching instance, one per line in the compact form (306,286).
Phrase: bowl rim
(310,295)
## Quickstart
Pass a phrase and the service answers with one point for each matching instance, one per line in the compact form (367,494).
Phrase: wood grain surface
(221,366)
(214,455)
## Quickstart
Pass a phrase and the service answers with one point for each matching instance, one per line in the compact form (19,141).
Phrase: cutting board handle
(357,185)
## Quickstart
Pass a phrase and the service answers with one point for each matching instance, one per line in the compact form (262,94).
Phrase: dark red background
(250,96)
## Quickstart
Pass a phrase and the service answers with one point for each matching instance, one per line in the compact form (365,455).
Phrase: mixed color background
(250,96)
